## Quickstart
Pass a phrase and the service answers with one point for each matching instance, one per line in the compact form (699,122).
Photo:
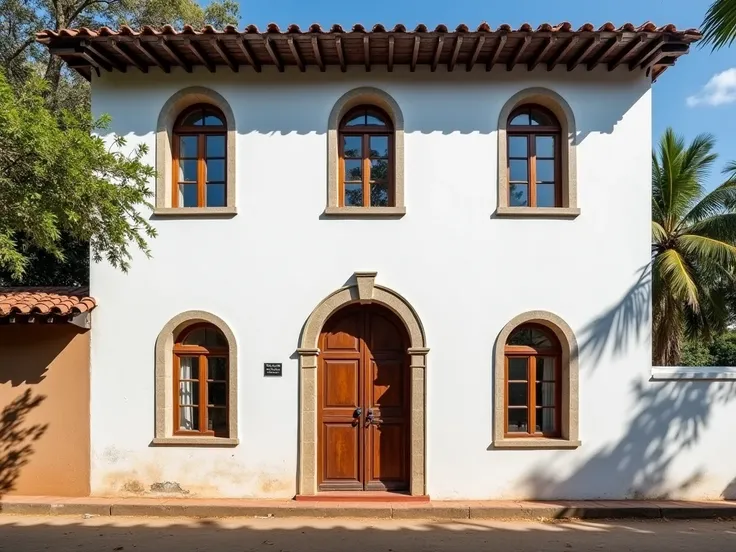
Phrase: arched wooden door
(363,402)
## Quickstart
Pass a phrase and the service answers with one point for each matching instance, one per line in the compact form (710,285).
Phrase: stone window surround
(164,130)
(370,96)
(570,383)
(363,291)
(562,110)
(164,374)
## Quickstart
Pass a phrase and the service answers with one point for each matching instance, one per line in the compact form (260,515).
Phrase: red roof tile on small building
(45,300)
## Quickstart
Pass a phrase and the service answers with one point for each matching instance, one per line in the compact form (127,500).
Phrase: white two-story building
(390,260)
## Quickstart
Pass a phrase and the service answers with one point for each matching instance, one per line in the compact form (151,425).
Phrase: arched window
(201,382)
(533,380)
(199,158)
(534,137)
(366,138)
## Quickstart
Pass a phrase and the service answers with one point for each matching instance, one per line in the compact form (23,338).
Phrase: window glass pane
(352,146)
(216,194)
(539,118)
(545,170)
(215,146)
(379,194)
(353,195)
(217,394)
(545,368)
(546,195)
(187,146)
(187,195)
(545,394)
(195,118)
(188,170)
(517,146)
(189,418)
(379,146)
(217,421)
(353,169)
(546,420)
(188,393)
(215,170)
(518,195)
(357,120)
(195,337)
(517,368)
(188,368)
(521,119)
(217,368)
(545,146)
(374,119)
(518,394)
(518,169)
(379,169)
(213,119)
(530,337)
(517,420)
(214,338)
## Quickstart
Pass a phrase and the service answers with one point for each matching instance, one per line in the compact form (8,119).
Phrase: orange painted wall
(44,410)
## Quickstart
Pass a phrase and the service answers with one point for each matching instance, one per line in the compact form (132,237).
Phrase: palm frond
(719,25)
(659,234)
(677,277)
(713,203)
(706,251)
(719,227)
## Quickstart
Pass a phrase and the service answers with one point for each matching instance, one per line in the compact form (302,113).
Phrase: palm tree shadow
(627,320)
(17,436)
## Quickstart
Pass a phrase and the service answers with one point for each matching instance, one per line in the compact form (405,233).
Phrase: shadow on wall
(17,436)
(430,102)
(668,417)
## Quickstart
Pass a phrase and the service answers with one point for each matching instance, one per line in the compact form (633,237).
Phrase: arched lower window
(534,136)
(366,137)
(533,379)
(199,158)
(201,382)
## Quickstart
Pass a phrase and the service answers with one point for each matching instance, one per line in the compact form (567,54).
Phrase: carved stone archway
(363,290)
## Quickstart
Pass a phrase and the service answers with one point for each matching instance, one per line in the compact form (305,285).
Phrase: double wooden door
(363,402)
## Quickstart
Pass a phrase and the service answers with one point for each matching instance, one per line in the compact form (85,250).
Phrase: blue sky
(671,91)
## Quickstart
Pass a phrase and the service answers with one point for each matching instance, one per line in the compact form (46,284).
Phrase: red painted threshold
(366,496)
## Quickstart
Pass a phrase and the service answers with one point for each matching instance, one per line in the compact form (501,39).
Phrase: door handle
(358,413)
(370,419)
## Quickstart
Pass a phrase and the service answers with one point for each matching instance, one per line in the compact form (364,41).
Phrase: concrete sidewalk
(434,510)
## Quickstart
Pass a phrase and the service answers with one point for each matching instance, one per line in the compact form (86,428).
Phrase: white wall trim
(707,373)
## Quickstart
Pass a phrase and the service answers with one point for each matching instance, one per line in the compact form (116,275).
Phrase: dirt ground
(119,534)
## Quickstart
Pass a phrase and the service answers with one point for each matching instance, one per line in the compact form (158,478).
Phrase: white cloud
(719,90)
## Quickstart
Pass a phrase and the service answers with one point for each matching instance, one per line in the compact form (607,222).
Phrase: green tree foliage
(696,353)
(31,254)
(693,246)
(719,25)
(61,185)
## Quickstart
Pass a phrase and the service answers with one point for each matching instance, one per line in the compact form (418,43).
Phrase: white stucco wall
(465,272)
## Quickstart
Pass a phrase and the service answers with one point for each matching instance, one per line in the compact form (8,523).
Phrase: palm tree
(719,25)
(693,245)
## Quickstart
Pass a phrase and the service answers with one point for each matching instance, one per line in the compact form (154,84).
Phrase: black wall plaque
(272,369)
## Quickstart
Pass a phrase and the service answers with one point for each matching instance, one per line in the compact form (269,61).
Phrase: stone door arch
(362,289)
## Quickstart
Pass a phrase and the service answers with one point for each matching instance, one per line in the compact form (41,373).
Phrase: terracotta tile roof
(646,47)
(45,300)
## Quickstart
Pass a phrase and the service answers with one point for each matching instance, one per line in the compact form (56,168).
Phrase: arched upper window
(200,158)
(534,137)
(533,380)
(201,382)
(366,137)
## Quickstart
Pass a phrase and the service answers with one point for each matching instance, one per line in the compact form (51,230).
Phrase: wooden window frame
(523,351)
(531,132)
(203,354)
(201,132)
(365,132)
